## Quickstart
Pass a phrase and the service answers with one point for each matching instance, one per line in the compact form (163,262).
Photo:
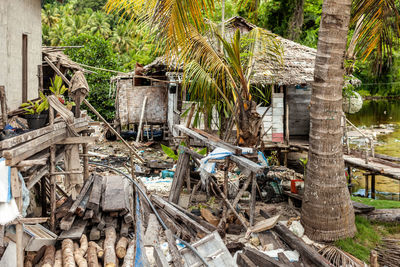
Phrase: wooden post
(373,186)
(52,178)
(349,172)
(139,133)
(43,196)
(180,174)
(253,198)
(3,105)
(85,150)
(373,260)
(20,249)
(286,124)
(16,190)
(132,149)
(366,184)
(40,76)
(346,134)
(226,171)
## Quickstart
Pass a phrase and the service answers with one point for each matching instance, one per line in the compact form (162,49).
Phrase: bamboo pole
(131,148)
(139,133)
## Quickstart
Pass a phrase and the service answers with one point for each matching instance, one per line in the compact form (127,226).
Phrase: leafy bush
(96,52)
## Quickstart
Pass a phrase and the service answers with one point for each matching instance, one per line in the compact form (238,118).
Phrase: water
(376,113)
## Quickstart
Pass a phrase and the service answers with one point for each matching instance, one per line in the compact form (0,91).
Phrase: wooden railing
(369,145)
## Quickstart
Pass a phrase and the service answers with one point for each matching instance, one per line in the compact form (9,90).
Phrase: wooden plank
(248,164)
(114,195)
(24,151)
(159,257)
(77,140)
(175,213)
(263,225)
(81,195)
(198,219)
(66,222)
(253,199)
(244,261)
(192,153)
(3,100)
(298,244)
(213,144)
(378,168)
(261,259)
(80,210)
(176,257)
(75,232)
(139,133)
(17,140)
(152,231)
(95,195)
(182,168)
(214,138)
(41,172)
(282,258)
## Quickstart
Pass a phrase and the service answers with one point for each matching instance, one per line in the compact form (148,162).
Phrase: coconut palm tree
(327,212)
(98,23)
(213,76)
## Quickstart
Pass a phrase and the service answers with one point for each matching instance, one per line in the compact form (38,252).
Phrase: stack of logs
(103,202)
(103,208)
(86,253)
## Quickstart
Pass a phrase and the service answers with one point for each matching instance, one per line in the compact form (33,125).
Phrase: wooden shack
(135,97)
(288,113)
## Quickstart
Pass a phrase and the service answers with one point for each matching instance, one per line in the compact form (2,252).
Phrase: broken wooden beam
(175,213)
(114,197)
(182,167)
(296,243)
(261,259)
(95,195)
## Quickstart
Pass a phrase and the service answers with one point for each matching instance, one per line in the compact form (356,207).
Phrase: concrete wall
(18,17)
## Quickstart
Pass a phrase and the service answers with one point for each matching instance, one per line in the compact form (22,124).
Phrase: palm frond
(340,258)
(262,43)
(379,28)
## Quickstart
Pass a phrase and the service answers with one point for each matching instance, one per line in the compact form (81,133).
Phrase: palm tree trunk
(327,212)
(296,21)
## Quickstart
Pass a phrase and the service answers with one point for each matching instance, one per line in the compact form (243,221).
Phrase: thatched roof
(56,55)
(297,68)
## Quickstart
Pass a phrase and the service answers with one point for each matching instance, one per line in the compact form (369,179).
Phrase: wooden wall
(130,101)
(299,113)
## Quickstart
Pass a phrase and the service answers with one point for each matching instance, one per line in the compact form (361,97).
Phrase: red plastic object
(293,188)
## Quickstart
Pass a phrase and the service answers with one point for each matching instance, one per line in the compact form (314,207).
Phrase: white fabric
(9,212)
(218,153)
(5,182)
(206,168)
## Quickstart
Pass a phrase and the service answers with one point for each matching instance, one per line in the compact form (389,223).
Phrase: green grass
(366,239)
(379,204)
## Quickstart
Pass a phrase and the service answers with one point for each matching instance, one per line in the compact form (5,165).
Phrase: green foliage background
(115,43)
(109,41)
